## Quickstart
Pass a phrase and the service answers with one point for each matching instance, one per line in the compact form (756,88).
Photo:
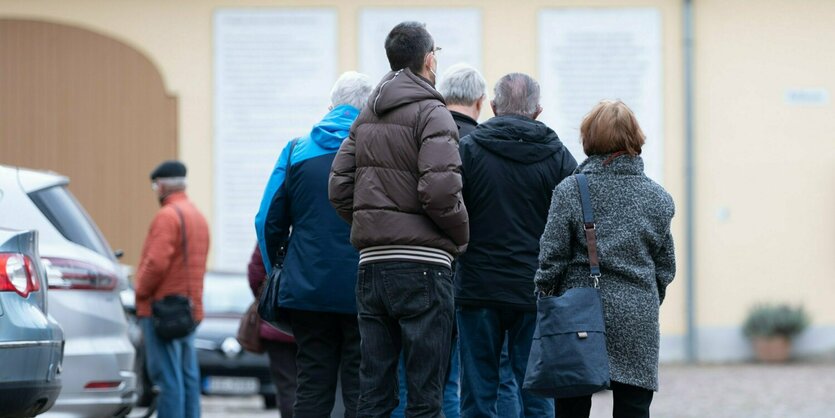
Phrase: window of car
(226,294)
(70,219)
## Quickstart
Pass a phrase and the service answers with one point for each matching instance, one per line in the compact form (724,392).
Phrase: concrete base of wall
(721,344)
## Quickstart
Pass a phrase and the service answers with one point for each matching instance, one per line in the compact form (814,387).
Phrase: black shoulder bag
(172,315)
(268,308)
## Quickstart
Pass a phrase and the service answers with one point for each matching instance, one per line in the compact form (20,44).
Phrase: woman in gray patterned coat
(633,215)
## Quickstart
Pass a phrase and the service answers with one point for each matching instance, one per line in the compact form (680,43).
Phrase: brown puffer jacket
(397,178)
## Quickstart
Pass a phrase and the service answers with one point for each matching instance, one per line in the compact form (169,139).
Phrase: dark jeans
(404,307)
(283,370)
(482,332)
(452,403)
(629,402)
(329,345)
(509,401)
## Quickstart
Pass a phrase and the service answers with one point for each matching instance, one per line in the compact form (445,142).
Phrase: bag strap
(293,143)
(185,246)
(589,227)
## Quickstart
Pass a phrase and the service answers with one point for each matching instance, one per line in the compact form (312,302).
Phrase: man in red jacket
(173,263)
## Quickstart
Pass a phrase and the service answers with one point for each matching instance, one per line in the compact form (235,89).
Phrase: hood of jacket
(399,88)
(334,127)
(517,138)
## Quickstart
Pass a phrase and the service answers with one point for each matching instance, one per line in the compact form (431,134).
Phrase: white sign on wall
(273,72)
(587,55)
(456,31)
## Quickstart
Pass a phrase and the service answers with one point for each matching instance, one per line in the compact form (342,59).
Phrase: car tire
(270,402)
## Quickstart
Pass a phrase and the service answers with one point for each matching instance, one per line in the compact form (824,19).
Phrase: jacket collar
(622,164)
(462,119)
(174,198)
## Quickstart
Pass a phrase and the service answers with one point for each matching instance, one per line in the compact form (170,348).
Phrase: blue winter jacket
(320,265)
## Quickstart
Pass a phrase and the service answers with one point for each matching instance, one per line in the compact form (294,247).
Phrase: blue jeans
(404,307)
(172,366)
(509,401)
(482,332)
(452,402)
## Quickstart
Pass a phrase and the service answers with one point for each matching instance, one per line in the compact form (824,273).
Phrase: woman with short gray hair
(632,217)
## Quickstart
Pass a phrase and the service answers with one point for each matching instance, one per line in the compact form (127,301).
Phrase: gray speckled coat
(637,260)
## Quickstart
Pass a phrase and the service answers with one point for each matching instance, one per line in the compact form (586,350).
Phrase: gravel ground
(800,390)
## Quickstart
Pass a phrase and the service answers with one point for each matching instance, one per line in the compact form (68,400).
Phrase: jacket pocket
(364,292)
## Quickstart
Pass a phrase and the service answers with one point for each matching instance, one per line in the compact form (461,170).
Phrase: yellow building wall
(765,168)
(761,164)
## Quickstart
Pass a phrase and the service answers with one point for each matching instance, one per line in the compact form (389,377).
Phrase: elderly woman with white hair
(319,265)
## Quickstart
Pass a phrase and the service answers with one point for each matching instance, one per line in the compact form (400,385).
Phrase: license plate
(232,385)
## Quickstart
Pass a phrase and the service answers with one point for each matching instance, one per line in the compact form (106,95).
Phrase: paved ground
(737,391)
(751,391)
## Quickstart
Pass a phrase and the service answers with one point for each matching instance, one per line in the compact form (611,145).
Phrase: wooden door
(92,108)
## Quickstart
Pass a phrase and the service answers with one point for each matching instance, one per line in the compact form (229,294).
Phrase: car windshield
(226,294)
(70,218)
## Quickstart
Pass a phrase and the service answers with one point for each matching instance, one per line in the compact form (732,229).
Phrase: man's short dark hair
(407,45)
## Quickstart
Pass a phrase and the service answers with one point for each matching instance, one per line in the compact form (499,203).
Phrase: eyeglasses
(435,49)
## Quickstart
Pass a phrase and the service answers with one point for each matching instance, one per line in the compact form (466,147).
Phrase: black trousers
(283,370)
(329,346)
(629,402)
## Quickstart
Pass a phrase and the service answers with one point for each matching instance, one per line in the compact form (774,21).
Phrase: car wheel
(270,402)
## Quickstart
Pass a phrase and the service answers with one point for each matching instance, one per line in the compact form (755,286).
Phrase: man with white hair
(511,165)
(464,91)
(299,232)
(171,271)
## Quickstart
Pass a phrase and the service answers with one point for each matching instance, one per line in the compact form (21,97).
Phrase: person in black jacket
(465,90)
(511,165)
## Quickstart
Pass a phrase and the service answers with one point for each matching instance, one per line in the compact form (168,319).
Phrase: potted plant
(771,328)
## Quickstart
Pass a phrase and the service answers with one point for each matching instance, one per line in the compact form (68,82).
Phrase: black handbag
(172,315)
(568,355)
(268,308)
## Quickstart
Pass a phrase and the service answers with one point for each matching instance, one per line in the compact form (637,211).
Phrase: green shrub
(771,320)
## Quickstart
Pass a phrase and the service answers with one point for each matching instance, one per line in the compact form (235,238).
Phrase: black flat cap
(170,168)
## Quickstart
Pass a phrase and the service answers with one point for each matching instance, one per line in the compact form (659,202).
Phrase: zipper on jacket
(381,90)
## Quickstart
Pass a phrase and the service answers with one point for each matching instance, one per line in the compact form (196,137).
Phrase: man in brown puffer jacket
(397,181)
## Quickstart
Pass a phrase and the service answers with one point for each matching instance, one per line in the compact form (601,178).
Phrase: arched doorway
(90,107)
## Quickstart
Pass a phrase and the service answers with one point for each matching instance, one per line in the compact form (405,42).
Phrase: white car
(84,281)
